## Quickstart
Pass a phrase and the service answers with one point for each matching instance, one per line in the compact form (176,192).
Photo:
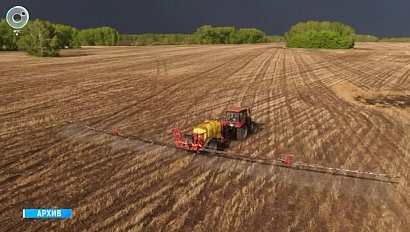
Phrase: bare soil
(339,108)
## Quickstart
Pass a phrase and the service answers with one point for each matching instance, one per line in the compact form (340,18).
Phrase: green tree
(158,39)
(274,38)
(101,36)
(228,35)
(206,35)
(65,35)
(224,35)
(85,38)
(7,37)
(250,36)
(39,38)
(313,34)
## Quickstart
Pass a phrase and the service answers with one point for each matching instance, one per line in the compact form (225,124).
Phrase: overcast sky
(378,17)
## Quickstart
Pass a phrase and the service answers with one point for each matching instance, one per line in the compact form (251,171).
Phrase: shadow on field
(345,186)
(401,101)
(286,178)
(363,49)
(75,53)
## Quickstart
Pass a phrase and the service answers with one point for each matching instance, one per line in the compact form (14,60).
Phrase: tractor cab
(237,115)
(238,123)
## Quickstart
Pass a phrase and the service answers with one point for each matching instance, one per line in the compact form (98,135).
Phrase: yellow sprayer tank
(211,129)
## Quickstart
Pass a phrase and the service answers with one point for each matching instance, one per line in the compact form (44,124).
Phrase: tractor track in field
(206,97)
(380,76)
(369,124)
(132,108)
(146,66)
(184,107)
(334,111)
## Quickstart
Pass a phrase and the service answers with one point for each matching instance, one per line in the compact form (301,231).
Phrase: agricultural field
(338,108)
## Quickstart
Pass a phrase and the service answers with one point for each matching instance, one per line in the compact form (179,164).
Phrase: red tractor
(215,134)
(238,123)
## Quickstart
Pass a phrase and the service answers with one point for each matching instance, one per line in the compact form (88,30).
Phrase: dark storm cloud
(378,17)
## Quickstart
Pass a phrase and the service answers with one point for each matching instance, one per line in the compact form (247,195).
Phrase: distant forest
(43,38)
(204,35)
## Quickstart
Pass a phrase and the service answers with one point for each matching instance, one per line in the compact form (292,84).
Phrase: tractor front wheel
(242,133)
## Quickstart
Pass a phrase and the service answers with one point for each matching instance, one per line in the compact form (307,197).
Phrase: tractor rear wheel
(242,133)
(254,128)
(213,145)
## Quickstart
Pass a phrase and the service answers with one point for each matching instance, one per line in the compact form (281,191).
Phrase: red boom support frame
(197,140)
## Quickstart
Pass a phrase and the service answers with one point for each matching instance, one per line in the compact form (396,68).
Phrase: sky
(382,18)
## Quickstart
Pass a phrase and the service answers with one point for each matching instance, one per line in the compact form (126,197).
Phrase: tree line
(366,38)
(156,39)
(229,35)
(43,38)
(203,35)
(398,39)
(371,38)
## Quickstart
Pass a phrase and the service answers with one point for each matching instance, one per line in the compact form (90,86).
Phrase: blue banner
(47,213)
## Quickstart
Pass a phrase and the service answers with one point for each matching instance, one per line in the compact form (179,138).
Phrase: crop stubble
(302,97)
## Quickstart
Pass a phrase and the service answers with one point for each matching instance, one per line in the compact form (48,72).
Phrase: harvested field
(339,108)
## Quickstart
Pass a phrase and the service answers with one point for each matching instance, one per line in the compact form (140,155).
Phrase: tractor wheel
(242,133)
(254,128)
(213,145)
